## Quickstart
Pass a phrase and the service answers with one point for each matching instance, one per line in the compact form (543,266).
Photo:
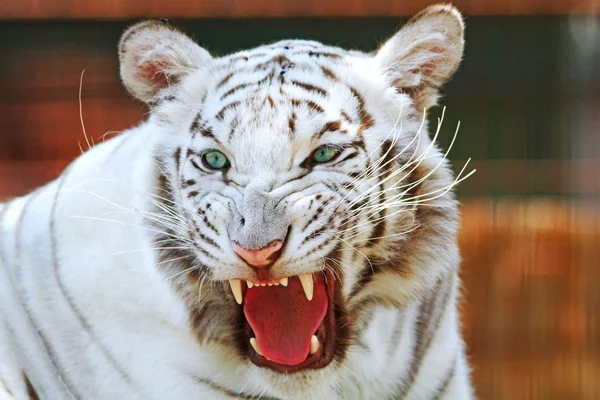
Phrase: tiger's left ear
(424,53)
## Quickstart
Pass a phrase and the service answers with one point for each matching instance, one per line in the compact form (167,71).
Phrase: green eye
(215,160)
(324,154)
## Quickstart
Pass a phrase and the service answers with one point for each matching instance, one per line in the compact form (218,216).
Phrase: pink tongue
(284,320)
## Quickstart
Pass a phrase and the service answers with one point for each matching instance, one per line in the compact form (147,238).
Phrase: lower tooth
(314,344)
(255,346)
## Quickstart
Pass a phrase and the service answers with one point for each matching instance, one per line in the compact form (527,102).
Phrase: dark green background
(526,92)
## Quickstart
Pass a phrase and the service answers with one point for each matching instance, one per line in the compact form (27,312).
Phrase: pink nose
(260,258)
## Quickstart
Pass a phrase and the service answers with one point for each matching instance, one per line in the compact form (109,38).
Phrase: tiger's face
(299,186)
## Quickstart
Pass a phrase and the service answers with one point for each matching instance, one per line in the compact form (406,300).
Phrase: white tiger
(281,227)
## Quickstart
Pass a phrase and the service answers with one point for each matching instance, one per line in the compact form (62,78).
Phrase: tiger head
(299,187)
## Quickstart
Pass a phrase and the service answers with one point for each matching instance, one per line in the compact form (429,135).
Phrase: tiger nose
(261,258)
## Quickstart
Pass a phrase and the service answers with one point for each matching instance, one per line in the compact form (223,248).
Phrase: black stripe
(177,158)
(309,103)
(378,220)
(187,183)
(231,393)
(348,186)
(207,132)
(45,342)
(235,89)
(345,115)
(206,221)
(441,391)
(319,247)
(315,215)
(397,333)
(238,58)
(221,112)
(4,386)
(331,126)
(389,152)
(268,78)
(314,106)
(328,73)
(207,239)
(279,59)
(85,325)
(315,233)
(195,127)
(311,88)
(27,311)
(350,156)
(324,54)
(226,79)
(366,120)
(30,390)
(233,126)
(431,313)
(292,124)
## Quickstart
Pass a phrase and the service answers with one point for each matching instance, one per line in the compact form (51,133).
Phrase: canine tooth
(284,281)
(314,344)
(307,285)
(236,288)
(255,345)
(250,284)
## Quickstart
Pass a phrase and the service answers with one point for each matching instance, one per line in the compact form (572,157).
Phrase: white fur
(88,286)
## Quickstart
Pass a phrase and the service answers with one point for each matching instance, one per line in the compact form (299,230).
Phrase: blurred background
(528,98)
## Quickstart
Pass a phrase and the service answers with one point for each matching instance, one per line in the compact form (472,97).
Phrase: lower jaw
(326,333)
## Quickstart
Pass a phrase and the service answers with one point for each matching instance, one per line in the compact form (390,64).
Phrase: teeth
(307,285)
(236,288)
(314,344)
(255,345)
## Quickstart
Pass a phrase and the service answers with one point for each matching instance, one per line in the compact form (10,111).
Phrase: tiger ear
(424,53)
(153,56)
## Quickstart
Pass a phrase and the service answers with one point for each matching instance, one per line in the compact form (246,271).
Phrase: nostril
(263,257)
(243,221)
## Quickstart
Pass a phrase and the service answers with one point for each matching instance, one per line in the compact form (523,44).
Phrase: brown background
(527,94)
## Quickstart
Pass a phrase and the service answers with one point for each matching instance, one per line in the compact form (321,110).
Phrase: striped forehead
(278,84)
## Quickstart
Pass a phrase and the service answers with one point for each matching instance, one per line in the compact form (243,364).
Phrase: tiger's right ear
(153,56)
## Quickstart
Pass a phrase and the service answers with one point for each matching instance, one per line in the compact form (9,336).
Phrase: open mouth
(289,323)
